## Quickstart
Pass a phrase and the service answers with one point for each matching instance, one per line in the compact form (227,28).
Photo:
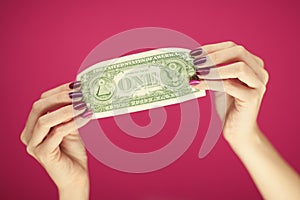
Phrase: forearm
(274,178)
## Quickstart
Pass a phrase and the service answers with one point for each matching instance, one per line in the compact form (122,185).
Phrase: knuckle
(263,89)
(36,106)
(231,43)
(23,138)
(261,61)
(241,68)
(240,50)
(30,150)
(44,94)
(42,121)
(267,76)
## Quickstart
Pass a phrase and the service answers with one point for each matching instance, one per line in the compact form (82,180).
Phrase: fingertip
(196,52)
(194,82)
(84,118)
(74,85)
(87,114)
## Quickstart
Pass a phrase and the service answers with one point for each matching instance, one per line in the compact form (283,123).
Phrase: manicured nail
(79,105)
(203,71)
(87,114)
(75,95)
(194,82)
(196,52)
(75,85)
(199,61)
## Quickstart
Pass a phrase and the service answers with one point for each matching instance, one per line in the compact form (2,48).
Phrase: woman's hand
(240,81)
(52,138)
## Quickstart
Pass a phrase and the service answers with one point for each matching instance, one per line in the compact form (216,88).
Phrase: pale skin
(52,138)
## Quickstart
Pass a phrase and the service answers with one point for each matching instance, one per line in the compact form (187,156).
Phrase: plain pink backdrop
(43,44)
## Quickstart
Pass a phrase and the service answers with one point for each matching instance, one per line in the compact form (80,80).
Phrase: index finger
(62,88)
(211,48)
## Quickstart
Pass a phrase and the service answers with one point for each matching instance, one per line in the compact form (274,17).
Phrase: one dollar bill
(138,82)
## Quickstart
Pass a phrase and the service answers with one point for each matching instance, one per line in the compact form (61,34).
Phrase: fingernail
(199,61)
(202,72)
(194,82)
(196,52)
(79,105)
(75,95)
(87,114)
(75,85)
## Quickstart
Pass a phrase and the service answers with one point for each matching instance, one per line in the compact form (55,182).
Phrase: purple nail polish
(199,61)
(194,82)
(75,85)
(75,95)
(196,52)
(202,72)
(87,114)
(79,105)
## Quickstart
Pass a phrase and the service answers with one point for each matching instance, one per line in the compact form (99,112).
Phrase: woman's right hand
(52,138)
(239,81)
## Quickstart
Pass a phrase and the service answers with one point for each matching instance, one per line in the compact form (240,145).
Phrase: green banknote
(138,82)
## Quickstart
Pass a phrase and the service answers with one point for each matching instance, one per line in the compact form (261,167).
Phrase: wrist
(76,190)
(251,136)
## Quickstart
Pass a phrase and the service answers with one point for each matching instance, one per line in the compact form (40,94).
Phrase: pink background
(43,44)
